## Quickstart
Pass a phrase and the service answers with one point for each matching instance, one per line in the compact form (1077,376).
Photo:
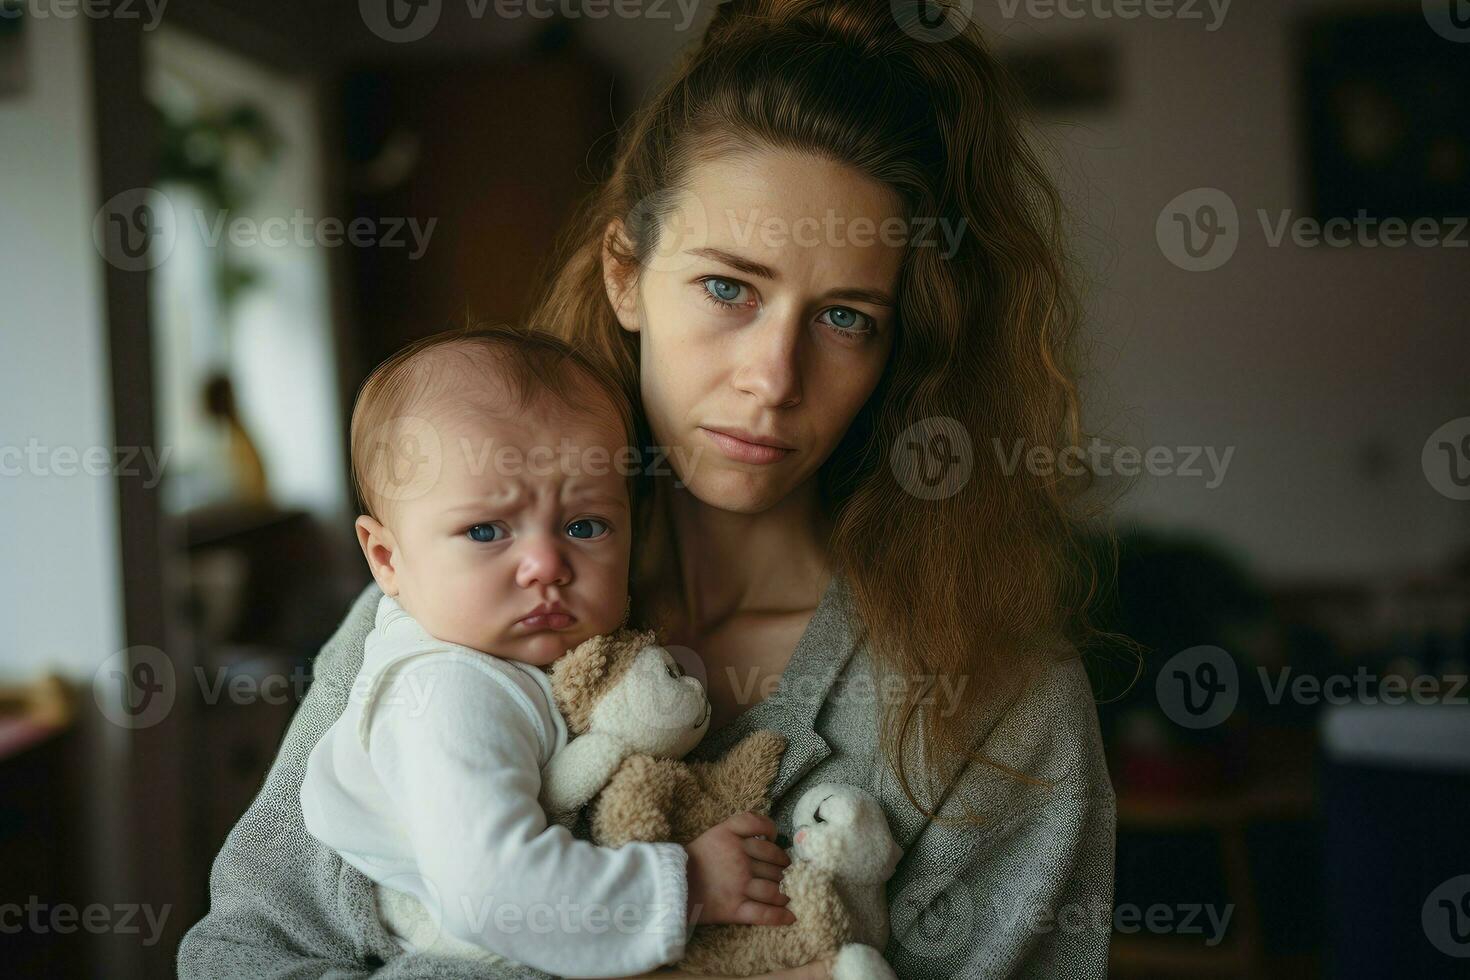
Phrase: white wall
(60,591)
(1306,360)
(60,577)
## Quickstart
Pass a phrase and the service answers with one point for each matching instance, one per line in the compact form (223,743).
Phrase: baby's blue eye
(587,527)
(483,533)
(722,289)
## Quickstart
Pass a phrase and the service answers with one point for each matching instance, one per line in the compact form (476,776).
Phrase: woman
(827,265)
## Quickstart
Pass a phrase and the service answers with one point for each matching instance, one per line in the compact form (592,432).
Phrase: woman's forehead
(791,184)
(796,215)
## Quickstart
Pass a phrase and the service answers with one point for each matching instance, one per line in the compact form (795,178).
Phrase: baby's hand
(734,876)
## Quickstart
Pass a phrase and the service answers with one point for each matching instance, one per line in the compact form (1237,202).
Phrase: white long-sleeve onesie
(428,785)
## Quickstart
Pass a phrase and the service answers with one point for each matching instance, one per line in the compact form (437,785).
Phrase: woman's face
(766,315)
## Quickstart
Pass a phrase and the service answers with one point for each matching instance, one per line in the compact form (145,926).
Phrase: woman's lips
(742,451)
(547,621)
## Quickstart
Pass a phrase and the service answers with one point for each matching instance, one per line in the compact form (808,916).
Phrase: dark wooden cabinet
(497,156)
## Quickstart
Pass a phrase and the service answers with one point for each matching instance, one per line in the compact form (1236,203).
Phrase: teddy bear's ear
(580,678)
(576,680)
(622,649)
(636,640)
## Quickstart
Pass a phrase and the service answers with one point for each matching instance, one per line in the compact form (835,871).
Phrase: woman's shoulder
(341,656)
(1044,752)
(1051,732)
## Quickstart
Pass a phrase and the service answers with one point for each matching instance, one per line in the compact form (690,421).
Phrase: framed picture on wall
(1385,103)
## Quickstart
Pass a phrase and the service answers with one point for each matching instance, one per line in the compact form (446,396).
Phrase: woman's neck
(729,563)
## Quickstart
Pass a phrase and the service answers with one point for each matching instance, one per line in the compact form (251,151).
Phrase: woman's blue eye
(483,532)
(722,289)
(587,527)
(849,321)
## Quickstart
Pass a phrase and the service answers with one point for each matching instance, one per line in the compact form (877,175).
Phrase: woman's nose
(770,367)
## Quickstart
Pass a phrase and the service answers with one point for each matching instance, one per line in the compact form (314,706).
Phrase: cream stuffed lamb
(842,856)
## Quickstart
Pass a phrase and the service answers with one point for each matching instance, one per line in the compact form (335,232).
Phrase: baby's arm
(457,748)
(579,771)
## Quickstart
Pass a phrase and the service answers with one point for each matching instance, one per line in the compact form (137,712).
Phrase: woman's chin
(738,491)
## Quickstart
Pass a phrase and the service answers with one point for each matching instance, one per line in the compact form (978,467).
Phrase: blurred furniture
(1396,782)
(264,588)
(39,841)
(1211,841)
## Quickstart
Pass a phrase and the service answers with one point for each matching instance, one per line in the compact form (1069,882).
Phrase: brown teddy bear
(634,714)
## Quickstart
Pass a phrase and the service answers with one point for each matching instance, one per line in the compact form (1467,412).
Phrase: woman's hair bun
(870,25)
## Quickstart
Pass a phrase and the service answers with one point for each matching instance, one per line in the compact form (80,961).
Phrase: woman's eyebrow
(736,262)
(875,296)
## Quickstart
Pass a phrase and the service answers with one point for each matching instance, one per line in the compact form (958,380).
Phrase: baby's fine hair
(537,369)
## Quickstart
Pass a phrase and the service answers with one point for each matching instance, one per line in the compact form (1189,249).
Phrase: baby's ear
(576,680)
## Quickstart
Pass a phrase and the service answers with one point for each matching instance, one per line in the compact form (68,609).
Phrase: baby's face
(520,546)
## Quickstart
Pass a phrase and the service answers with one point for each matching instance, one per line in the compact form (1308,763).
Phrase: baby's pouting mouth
(547,616)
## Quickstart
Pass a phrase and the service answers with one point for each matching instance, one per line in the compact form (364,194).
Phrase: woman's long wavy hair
(984,584)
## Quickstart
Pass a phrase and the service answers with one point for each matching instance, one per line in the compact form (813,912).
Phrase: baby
(498,527)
